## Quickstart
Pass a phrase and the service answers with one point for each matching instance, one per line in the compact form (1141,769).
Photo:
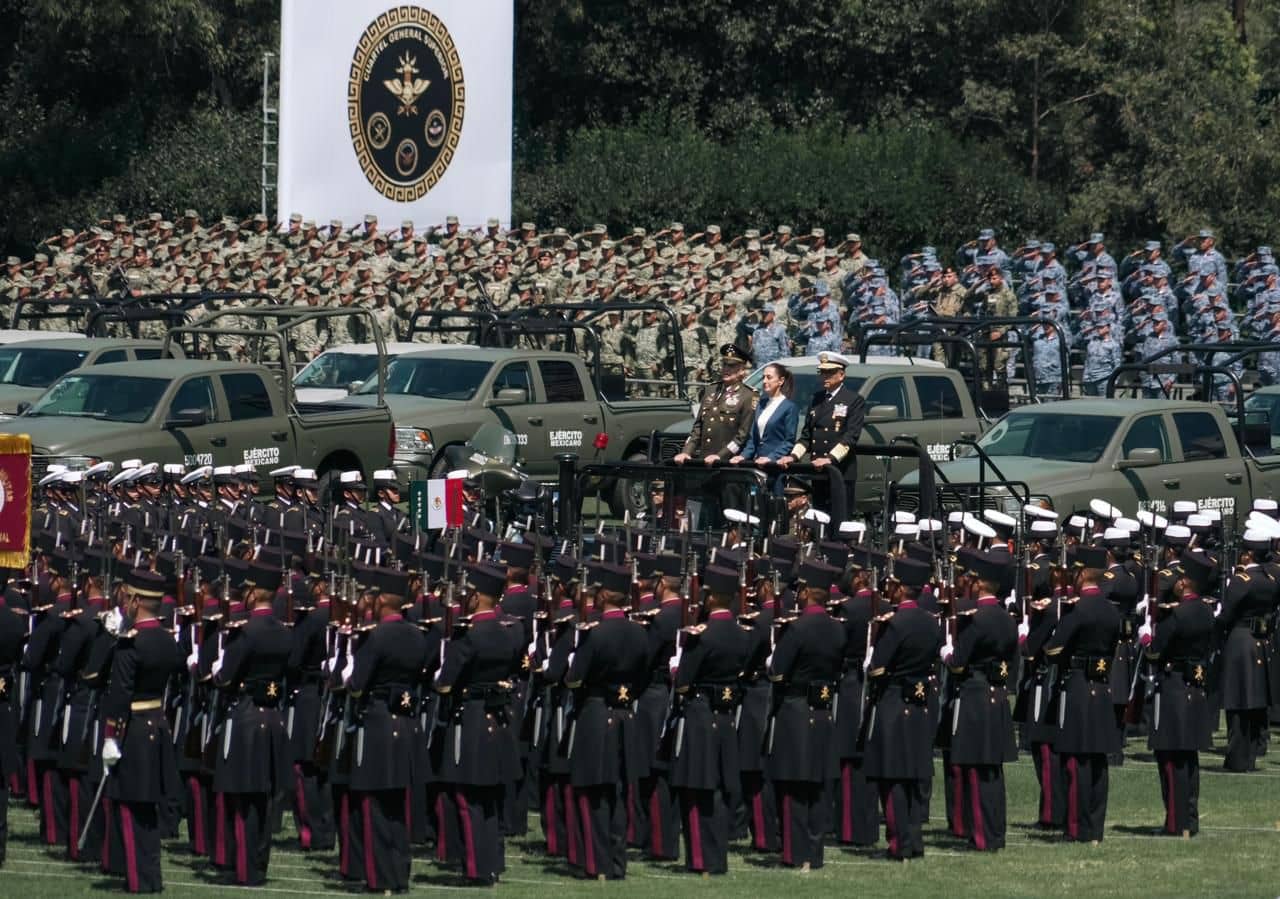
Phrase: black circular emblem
(405,100)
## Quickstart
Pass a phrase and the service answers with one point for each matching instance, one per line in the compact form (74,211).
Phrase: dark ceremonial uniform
(77,736)
(386,685)
(898,746)
(44,719)
(1121,588)
(480,753)
(831,428)
(757,790)
(518,604)
(981,724)
(385,521)
(1084,647)
(13,633)
(557,806)
(1035,710)
(661,838)
(1245,624)
(800,743)
(312,799)
(146,657)
(704,761)
(1180,726)
(607,751)
(857,806)
(253,758)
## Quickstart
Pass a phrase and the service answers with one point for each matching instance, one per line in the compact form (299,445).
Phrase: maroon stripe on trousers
(588,844)
(300,798)
(1073,797)
(220,829)
(757,814)
(571,824)
(130,848)
(655,823)
(975,804)
(197,814)
(890,819)
(468,839)
(442,845)
(46,809)
(695,837)
(370,867)
(242,851)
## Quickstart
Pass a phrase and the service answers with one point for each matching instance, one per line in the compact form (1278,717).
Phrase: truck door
(258,433)
(886,391)
(573,417)
(1211,474)
(202,443)
(942,415)
(1158,486)
(523,418)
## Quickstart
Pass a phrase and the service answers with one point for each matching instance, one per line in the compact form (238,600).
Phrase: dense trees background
(911,121)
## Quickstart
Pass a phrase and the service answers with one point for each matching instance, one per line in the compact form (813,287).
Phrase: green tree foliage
(914,121)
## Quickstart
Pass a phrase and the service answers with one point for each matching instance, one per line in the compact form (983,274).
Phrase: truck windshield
(109,397)
(1054,437)
(443,379)
(34,367)
(337,370)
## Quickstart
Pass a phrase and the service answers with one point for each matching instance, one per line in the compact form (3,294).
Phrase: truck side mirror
(882,413)
(23,407)
(507,396)
(1142,457)
(354,386)
(187,418)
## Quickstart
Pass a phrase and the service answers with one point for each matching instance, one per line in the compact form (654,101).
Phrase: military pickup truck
(1134,453)
(27,369)
(442,394)
(199,411)
(919,402)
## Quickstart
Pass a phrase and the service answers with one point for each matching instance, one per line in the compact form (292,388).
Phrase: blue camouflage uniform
(1102,355)
(770,343)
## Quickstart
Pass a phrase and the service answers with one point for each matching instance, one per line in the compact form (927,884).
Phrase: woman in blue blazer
(773,430)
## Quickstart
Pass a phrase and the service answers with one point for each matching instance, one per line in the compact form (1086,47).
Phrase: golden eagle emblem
(624,695)
(1198,674)
(1004,669)
(272,690)
(1101,667)
(824,694)
(406,701)
(727,695)
(919,690)
(408,89)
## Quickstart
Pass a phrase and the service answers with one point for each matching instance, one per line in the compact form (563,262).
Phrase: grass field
(1236,854)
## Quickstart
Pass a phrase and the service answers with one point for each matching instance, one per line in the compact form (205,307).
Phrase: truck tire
(628,495)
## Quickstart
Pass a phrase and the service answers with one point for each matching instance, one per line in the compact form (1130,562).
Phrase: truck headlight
(75,463)
(414,442)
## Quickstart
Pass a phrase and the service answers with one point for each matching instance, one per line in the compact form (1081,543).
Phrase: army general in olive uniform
(724,420)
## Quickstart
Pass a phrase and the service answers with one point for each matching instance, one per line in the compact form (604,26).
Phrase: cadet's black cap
(263,576)
(564,569)
(818,575)
(646,564)
(486,579)
(992,569)
(516,555)
(834,552)
(1091,556)
(669,564)
(721,580)
(1198,566)
(607,576)
(145,583)
(911,573)
(393,583)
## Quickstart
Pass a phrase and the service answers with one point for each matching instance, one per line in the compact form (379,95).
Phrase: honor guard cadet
(902,713)
(805,674)
(1178,648)
(386,520)
(1245,624)
(13,633)
(253,759)
(608,752)
(831,428)
(313,801)
(1084,647)
(982,740)
(480,753)
(138,745)
(758,798)
(385,685)
(704,761)
(660,837)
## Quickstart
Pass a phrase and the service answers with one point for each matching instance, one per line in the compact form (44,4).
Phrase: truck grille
(663,447)
(949,498)
(39,467)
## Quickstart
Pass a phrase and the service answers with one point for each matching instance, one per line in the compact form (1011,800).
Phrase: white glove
(110,752)
(1145,631)
(217,663)
(193,661)
(947,651)
(1024,630)
(349,668)
(674,665)
(1217,610)
(1141,608)
(113,622)
(1011,600)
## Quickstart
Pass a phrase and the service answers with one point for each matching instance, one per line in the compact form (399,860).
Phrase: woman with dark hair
(773,430)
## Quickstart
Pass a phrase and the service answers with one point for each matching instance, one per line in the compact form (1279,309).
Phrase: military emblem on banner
(15,500)
(405,102)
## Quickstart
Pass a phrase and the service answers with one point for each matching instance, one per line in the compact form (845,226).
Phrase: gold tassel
(14,444)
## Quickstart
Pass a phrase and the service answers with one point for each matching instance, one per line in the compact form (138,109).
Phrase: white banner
(399,110)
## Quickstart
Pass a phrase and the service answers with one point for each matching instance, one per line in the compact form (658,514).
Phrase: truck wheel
(629,495)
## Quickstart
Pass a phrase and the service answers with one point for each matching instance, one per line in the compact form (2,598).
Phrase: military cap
(720,580)
(143,582)
(831,361)
(782,229)
(676,226)
(486,579)
(853,237)
(986,234)
(392,582)
(1091,556)
(818,575)
(516,555)
(609,576)
(1206,233)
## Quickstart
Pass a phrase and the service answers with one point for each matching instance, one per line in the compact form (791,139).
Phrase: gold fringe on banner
(19,445)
